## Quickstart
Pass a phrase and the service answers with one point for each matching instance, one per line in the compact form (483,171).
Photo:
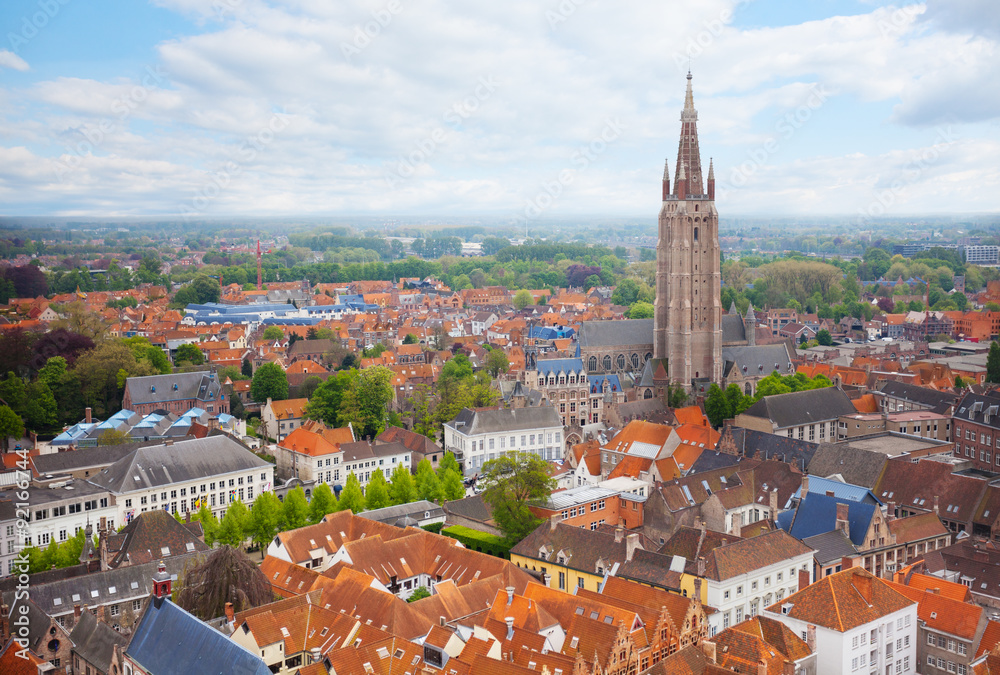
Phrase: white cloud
(447,106)
(9,59)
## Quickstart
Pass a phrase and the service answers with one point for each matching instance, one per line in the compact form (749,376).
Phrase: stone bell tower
(687,327)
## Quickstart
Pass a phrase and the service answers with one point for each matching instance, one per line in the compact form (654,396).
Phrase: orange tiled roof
(941,613)
(306,442)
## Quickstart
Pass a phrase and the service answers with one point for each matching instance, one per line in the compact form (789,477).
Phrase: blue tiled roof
(170,640)
(292,321)
(74,433)
(854,493)
(556,366)
(598,382)
(817,514)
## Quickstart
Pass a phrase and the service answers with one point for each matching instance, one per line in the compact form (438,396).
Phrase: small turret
(750,326)
(682,184)
(711,180)
(666,179)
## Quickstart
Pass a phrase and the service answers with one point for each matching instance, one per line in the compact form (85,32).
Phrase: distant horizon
(248,108)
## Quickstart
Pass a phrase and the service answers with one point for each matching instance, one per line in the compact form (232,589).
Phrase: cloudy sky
(542,108)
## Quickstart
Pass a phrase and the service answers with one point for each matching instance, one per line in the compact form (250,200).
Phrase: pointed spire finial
(711,169)
(666,169)
(681,175)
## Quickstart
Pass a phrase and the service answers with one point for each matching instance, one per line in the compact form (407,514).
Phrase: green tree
(377,491)
(236,407)
(625,293)
(209,523)
(993,364)
(717,406)
(327,400)
(295,510)
(452,486)
(419,594)
(497,362)
(269,382)
(189,353)
(522,299)
(323,502)
(53,371)
(402,487)
(112,437)
(640,310)
(511,482)
(364,405)
(233,528)
(266,516)
(273,333)
(824,338)
(448,461)
(351,497)
(12,391)
(428,483)
(411,339)
(246,367)
(40,410)
(676,396)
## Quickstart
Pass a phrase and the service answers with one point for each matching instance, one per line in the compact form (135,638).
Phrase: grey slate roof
(981,409)
(759,360)
(169,639)
(733,328)
(472,422)
(755,444)
(830,546)
(390,514)
(856,466)
(610,333)
(38,622)
(803,407)
(83,458)
(130,583)
(929,398)
(473,508)
(95,641)
(187,460)
(201,384)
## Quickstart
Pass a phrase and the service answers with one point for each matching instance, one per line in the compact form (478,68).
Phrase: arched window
(648,393)
(648,357)
(696,234)
(592,364)
(607,362)
(748,389)
(635,361)
(621,362)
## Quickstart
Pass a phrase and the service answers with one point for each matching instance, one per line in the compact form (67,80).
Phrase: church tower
(687,325)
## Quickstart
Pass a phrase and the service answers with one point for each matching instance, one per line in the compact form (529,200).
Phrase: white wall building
(477,436)
(216,470)
(862,625)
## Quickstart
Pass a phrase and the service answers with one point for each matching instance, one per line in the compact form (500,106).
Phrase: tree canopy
(510,483)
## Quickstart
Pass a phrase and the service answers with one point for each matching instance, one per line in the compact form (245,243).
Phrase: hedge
(475,540)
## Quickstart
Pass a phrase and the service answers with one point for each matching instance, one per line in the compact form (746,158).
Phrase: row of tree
(722,405)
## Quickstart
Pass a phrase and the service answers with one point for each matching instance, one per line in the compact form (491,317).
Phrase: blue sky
(527,108)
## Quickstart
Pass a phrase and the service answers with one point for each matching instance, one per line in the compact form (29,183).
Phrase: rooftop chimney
(553,521)
(510,595)
(811,637)
(317,654)
(89,415)
(547,579)
(804,579)
(805,487)
(842,521)
(230,614)
(76,611)
(772,502)
(619,533)
(631,544)
(890,511)
(701,566)
(862,582)
(936,504)
(709,648)
(510,627)
(161,581)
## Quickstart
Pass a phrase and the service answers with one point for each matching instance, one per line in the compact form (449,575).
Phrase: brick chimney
(862,582)
(631,544)
(772,502)
(76,612)
(811,637)
(230,614)
(936,504)
(842,520)
(701,566)
(890,511)
(710,653)
(619,533)
(804,579)
(805,487)
(4,623)
(89,417)
(846,563)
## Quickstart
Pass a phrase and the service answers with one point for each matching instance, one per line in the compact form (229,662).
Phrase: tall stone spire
(666,179)
(688,154)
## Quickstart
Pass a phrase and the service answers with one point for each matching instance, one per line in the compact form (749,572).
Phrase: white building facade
(478,436)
